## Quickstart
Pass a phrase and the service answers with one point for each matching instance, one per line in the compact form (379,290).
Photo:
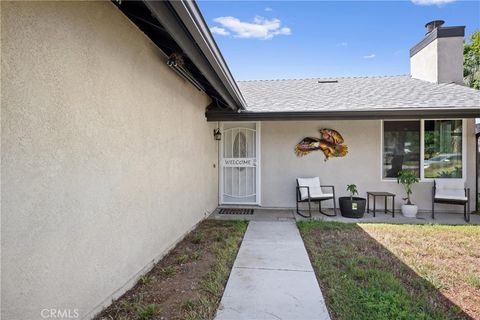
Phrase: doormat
(235,211)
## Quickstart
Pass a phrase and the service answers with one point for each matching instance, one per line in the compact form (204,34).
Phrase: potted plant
(352,207)
(408,178)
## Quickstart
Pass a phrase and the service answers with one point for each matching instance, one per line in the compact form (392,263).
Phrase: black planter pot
(352,207)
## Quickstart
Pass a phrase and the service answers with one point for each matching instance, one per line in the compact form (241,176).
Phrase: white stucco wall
(362,165)
(450,60)
(424,64)
(107,159)
(441,61)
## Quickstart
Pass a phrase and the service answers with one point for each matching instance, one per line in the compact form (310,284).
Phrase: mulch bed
(189,281)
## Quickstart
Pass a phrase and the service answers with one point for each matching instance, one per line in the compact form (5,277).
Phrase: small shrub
(203,308)
(188,305)
(196,255)
(146,279)
(182,259)
(142,311)
(168,271)
(126,305)
(219,237)
(198,238)
(147,312)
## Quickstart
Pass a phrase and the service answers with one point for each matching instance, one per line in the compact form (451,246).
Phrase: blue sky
(305,39)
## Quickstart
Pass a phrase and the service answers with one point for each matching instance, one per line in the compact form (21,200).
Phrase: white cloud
(431,2)
(370,56)
(259,28)
(219,31)
(268,9)
(342,44)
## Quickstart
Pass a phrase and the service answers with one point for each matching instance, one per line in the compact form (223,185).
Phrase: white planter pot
(409,210)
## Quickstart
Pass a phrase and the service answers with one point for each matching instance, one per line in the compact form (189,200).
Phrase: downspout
(165,14)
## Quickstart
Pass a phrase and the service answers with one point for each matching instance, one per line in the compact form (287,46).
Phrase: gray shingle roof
(356,93)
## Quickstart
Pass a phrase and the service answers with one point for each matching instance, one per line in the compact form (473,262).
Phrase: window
(443,149)
(401,147)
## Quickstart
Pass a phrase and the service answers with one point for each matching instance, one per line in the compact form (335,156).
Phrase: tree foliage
(471,64)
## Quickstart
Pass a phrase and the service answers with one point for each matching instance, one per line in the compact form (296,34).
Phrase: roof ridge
(318,78)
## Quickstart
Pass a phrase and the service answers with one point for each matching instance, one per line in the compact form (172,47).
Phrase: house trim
(407,114)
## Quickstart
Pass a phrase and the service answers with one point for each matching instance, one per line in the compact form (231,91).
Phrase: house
(387,122)
(109,156)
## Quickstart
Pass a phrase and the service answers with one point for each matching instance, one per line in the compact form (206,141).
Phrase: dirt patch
(188,283)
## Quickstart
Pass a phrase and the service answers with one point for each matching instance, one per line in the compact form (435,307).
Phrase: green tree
(471,63)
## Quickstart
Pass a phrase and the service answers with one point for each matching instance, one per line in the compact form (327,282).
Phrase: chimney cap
(432,25)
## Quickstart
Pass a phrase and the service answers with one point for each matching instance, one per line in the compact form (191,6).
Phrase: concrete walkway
(272,277)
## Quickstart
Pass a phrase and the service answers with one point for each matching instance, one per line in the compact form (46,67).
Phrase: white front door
(240,163)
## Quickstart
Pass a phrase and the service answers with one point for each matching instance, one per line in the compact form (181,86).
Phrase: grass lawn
(189,282)
(379,271)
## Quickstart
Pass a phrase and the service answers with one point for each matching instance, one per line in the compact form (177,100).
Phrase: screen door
(239,163)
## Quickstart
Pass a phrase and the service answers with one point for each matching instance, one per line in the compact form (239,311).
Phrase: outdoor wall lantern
(217,134)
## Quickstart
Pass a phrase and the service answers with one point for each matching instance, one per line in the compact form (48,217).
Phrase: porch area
(287,214)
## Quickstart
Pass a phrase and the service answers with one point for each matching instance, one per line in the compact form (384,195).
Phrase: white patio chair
(451,192)
(310,190)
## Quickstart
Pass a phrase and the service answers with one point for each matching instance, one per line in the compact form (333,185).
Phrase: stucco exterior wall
(362,165)
(450,60)
(107,158)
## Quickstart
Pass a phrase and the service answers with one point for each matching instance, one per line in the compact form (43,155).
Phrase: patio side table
(376,194)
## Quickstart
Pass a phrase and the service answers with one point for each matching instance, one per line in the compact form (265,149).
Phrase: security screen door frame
(239,163)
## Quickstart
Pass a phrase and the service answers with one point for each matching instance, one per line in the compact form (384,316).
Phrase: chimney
(438,58)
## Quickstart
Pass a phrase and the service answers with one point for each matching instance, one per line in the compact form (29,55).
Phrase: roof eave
(185,23)
(190,14)
(442,113)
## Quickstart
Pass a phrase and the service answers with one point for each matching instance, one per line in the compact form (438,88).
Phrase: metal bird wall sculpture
(330,142)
